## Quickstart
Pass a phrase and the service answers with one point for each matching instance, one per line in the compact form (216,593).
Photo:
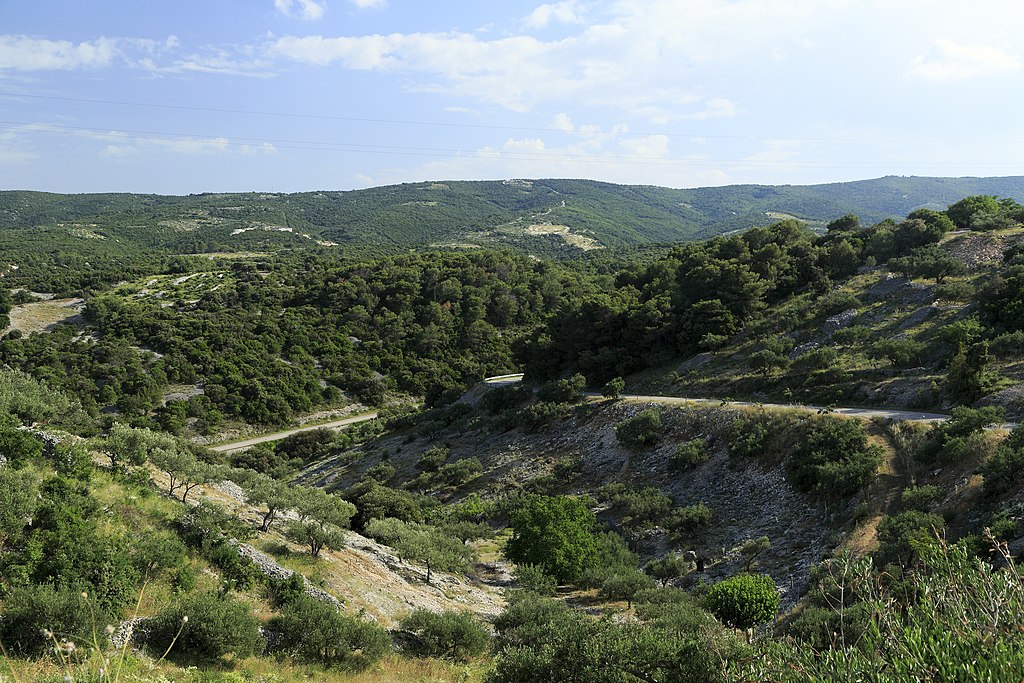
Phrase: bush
(625,586)
(902,353)
(832,458)
(640,430)
(64,612)
(688,455)
(744,601)
(563,390)
(448,635)
(613,388)
(900,535)
(532,578)
(747,438)
(211,627)
(687,520)
(920,498)
(159,552)
(314,631)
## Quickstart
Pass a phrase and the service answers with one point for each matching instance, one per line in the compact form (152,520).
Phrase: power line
(481,126)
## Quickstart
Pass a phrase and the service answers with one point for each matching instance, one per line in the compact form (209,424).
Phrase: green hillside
(483,212)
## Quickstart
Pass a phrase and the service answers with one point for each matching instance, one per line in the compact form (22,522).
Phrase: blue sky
(293,95)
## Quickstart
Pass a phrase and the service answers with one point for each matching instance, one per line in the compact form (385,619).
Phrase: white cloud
(717,108)
(307,9)
(649,146)
(370,4)
(25,53)
(946,60)
(562,12)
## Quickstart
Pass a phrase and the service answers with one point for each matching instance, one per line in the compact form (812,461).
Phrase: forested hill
(546,217)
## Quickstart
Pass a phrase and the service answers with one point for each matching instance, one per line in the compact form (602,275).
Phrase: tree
(322,520)
(929,262)
(667,568)
(275,495)
(625,586)
(847,223)
(431,546)
(966,212)
(184,470)
(767,362)
(751,549)
(744,601)
(554,533)
(613,388)
(126,445)
(902,353)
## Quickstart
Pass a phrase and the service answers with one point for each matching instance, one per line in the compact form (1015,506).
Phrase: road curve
(277,436)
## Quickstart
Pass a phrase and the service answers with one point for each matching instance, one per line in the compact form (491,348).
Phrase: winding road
(504,380)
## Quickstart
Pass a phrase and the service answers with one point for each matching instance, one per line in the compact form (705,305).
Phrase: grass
(138,669)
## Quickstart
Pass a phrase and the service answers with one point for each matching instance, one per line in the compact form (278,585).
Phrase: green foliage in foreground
(314,631)
(963,625)
(446,635)
(206,627)
(544,640)
(744,601)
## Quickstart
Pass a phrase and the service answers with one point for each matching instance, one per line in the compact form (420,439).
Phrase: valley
(377,459)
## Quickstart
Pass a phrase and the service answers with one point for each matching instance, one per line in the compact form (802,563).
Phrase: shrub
(613,388)
(900,535)
(314,631)
(211,627)
(688,455)
(852,336)
(640,430)
(432,459)
(920,498)
(744,601)
(667,568)
(159,552)
(832,458)
(448,635)
(563,390)
(902,353)
(530,577)
(528,618)
(64,612)
(747,438)
(625,586)
(686,520)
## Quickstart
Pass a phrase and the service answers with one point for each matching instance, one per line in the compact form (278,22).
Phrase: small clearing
(565,232)
(44,316)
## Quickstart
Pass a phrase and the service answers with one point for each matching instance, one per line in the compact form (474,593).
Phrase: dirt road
(277,436)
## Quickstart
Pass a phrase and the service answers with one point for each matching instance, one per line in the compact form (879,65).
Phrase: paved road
(277,436)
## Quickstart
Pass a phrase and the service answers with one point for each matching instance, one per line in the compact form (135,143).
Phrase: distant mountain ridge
(546,216)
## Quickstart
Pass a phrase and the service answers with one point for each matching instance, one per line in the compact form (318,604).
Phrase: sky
(299,95)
